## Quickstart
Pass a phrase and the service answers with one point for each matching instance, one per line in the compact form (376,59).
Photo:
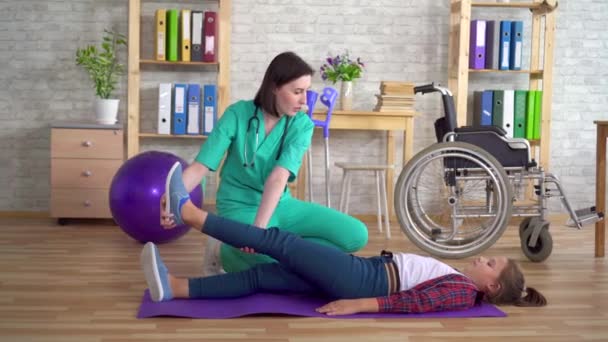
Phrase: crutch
(328,98)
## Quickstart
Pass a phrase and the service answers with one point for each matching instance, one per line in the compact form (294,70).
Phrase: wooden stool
(380,172)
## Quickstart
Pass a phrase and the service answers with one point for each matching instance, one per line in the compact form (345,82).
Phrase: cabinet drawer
(83,173)
(70,202)
(86,143)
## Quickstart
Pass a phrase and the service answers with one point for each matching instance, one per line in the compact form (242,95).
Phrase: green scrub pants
(309,220)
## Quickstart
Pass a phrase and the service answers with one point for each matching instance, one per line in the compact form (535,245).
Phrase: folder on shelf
(498,107)
(179,109)
(209,108)
(164,108)
(185,35)
(482,113)
(530,114)
(197,36)
(210,29)
(172,42)
(505,45)
(477,44)
(159,41)
(491,45)
(519,114)
(194,109)
(517,28)
(538,112)
(508,111)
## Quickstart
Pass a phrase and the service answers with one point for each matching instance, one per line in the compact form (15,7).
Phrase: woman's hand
(166,218)
(349,306)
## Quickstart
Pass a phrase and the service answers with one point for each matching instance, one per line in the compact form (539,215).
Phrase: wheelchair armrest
(475,129)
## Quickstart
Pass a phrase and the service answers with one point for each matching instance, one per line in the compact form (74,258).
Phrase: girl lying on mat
(399,282)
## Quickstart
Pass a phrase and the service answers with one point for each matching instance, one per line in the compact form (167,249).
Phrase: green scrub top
(243,185)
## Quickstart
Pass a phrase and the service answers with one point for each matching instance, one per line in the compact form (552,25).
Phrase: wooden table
(391,122)
(600,186)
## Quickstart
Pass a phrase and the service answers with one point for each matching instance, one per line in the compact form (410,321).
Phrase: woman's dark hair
(513,290)
(283,69)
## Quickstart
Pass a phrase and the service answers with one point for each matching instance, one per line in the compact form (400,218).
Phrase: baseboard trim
(25,214)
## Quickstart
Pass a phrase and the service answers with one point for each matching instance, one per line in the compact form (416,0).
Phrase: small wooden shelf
(496,71)
(530,5)
(155,62)
(171,136)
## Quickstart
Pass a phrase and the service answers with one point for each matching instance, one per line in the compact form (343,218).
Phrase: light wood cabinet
(540,72)
(84,159)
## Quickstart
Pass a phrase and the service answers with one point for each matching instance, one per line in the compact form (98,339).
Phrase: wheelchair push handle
(431,88)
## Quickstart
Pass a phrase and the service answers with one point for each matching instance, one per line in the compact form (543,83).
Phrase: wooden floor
(82,282)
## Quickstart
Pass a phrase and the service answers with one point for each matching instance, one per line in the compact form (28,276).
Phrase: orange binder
(159,42)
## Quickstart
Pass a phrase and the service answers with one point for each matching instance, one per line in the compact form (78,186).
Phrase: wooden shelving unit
(136,63)
(541,64)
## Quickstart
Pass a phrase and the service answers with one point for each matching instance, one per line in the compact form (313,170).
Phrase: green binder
(172,35)
(538,111)
(530,115)
(498,108)
(519,114)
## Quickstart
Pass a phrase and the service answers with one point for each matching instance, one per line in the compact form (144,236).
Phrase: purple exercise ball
(135,195)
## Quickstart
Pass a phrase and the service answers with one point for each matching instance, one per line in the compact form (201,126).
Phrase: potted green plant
(104,69)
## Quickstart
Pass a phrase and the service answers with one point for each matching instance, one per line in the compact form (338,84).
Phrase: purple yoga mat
(267,303)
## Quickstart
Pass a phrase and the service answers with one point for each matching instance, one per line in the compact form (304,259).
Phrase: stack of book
(395,97)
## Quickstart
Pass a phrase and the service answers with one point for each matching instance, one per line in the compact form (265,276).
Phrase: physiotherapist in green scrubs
(265,141)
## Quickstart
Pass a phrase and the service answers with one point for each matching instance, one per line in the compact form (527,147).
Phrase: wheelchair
(455,198)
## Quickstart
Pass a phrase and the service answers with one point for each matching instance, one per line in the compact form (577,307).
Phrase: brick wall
(398,40)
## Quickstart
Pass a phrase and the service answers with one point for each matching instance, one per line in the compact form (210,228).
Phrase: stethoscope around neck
(254,117)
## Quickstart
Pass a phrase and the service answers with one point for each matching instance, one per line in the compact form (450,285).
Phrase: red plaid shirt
(448,292)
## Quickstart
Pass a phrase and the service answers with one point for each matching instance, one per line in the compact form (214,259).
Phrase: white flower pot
(106,111)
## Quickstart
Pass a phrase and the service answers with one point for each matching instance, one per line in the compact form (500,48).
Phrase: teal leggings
(309,220)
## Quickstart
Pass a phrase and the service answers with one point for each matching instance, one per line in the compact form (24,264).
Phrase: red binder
(210,29)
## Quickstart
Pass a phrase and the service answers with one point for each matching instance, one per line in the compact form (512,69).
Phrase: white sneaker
(212,264)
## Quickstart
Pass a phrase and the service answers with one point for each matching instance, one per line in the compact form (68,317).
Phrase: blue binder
(179,109)
(517,28)
(487,98)
(505,45)
(209,108)
(194,109)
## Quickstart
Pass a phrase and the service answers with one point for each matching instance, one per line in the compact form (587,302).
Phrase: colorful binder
(172,35)
(530,101)
(164,108)
(519,116)
(210,26)
(194,109)
(538,112)
(179,109)
(491,45)
(482,108)
(498,107)
(477,44)
(197,36)
(517,28)
(209,108)
(185,35)
(505,45)
(159,42)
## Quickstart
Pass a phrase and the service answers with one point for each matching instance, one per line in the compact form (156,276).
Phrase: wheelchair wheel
(453,200)
(544,245)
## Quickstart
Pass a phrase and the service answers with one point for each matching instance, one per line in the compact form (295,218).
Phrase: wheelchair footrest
(585,216)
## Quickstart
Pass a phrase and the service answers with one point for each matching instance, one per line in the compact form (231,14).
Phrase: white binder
(164,108)
(508,112)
